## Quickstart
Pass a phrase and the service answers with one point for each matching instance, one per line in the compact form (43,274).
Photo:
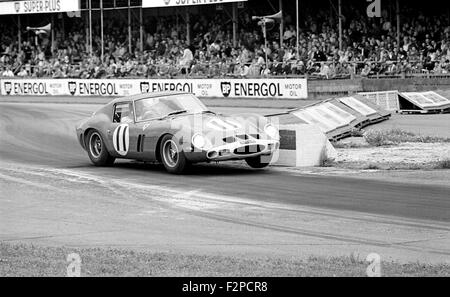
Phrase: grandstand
(120,38)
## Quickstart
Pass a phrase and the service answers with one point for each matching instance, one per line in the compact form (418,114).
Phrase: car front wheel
(258,161)
(97,150)
(172,156)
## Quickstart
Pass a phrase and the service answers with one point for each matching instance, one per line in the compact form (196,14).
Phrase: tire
(256,162)
(96,149)
(172,155)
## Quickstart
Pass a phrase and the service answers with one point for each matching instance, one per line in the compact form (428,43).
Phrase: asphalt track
(51,194)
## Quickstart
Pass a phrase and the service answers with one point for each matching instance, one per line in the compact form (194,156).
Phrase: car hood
(216,127)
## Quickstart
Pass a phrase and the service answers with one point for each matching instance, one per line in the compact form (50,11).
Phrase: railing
(312,70)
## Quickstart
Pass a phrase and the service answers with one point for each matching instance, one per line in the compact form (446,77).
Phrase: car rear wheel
(97,150)
(172,156)
(259,161)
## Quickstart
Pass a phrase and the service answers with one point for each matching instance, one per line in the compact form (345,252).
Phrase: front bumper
(242,150)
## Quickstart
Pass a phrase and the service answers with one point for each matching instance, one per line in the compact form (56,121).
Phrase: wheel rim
(95,145)
(170,153)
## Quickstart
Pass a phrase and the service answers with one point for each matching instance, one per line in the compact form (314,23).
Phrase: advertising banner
(209,88)
(171,3)
(255,88)
(38,6)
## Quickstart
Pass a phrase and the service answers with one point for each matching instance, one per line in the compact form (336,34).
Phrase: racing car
(176,129)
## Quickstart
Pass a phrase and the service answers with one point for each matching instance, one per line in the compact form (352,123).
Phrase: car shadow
(201,169)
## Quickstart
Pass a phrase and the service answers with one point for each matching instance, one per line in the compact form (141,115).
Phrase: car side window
(123,113)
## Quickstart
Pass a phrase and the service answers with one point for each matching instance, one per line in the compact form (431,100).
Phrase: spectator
(8,72)
(186,60)
(369,47)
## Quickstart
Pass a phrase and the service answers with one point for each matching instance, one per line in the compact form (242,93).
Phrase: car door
(120,133)
(140,142)
(136,135)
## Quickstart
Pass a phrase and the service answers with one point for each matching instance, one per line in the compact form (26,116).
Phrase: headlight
(199,141)
(271,131)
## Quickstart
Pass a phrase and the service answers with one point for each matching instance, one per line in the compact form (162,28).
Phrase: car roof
(146,95)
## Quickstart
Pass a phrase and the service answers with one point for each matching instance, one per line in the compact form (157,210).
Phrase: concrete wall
(406,84)
(323,89)
(303,145)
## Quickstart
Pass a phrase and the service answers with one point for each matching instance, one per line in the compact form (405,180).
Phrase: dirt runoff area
(407,155)
(393,154)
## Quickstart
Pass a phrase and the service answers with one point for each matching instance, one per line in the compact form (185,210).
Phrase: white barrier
(357,105)
(336,117)
(426,100)
(387,100)
(304,145)
(215,88)
(326,116)
(408,101)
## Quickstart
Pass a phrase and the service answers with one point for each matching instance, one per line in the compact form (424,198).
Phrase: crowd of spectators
(369,48)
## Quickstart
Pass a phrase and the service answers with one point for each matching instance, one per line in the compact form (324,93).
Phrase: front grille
(249,149)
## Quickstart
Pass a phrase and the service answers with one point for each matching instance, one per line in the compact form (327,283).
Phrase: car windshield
(158,107)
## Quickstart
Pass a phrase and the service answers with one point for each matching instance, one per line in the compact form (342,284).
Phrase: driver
(149,110)
(141,110)
(127,115)
(146,109)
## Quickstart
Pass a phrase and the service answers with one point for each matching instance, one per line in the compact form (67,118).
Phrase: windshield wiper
(176,112)
(208,111)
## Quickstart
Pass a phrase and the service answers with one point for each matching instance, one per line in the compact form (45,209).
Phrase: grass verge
(443,164)
(396,136)
(432,165)
(31,260)
(375,138)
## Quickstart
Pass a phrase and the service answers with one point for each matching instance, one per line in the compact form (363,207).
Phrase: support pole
(281,23)
(141,30)
(397,4)
(101,33)
(86,26)
(340,24)
(53,33)
(129,27)
(265,41)
(188,27)
(235,23)
(297,29)
(90,28)
(19,32)
(63,25)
